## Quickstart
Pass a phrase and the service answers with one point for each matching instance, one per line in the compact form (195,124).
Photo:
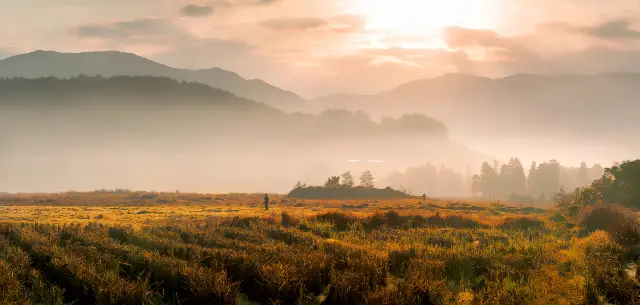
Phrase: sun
(426,17)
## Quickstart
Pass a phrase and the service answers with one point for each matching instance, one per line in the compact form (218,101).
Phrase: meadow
(170,248)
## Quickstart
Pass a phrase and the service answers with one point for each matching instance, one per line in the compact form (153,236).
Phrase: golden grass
(142,208)
(150,248)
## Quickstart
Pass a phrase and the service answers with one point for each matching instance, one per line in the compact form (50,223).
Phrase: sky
(324,47)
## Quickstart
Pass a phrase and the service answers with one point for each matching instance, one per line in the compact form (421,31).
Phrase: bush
(522,223)
(614,219)
(344,193)
(340,220)
(288,220)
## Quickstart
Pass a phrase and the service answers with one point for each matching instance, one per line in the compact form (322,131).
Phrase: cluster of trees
(509,180)
(345,180)
(429,179)
(343,187)
(619,184)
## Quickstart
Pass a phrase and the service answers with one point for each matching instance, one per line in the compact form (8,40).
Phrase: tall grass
(330,258)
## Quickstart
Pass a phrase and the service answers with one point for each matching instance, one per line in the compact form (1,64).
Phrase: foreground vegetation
(430,254)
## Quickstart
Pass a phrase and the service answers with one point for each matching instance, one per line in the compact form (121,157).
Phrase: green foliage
(619,184)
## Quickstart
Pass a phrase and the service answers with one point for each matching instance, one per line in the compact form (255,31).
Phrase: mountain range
(598,111)
(112,63)
(520,105)
(148,132)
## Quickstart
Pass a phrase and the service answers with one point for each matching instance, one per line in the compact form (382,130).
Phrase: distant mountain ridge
(157,132)
(520,104)
(113,63)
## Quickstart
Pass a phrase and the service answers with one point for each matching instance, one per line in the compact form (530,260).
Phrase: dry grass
(147,248)
(145,208)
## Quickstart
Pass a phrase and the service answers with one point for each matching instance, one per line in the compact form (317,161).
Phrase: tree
(532,185)
(560,197)
(621,183)
(548,177)
(583,175)
(476,185)
(517,177)
(332,182)
(503,181)
(366,179)
(489,180)
(299,185)
(347,180)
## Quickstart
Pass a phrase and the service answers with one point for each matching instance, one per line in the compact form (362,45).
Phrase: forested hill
(79,89)
(111,63)
(155,96)
(155,133)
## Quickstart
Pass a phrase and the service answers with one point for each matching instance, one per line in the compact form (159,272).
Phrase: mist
(158,133)
(82,142)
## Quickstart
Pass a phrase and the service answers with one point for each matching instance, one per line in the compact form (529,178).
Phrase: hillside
(602,105)
(158,133)
(113,63)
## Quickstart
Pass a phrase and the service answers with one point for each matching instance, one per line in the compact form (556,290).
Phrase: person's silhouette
(266,202)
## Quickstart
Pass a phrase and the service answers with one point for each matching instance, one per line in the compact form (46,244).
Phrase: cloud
(126,29)
(615,29)
(233,3)
(297,24)
(341,24)
(612,30)
(501,47)
(619,29)
(347,23)
(194,10)
(148,31)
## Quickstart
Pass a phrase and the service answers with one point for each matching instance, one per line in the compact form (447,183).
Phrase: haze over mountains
(157,133)
(219,132)
(592,114)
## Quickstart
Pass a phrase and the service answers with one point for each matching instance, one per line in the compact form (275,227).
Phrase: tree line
(345,180)
(618,184)
(507,181)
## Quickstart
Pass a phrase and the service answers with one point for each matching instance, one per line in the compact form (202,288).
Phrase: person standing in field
(266,202)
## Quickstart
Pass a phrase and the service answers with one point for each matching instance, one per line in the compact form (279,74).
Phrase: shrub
(341,221)
(288,220)
(522,223)
(614,219)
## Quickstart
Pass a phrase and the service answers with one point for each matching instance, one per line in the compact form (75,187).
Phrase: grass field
(149,248)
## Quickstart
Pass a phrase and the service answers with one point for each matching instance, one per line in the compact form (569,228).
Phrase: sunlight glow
(426,17)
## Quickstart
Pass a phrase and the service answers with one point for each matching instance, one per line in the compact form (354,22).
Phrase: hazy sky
(327,46)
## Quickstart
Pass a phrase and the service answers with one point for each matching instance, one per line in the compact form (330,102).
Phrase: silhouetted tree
(489,180)
(366,179)
(332,182)
(517,178)
(583,175)
(532,184)
(347,180)
(476,185)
